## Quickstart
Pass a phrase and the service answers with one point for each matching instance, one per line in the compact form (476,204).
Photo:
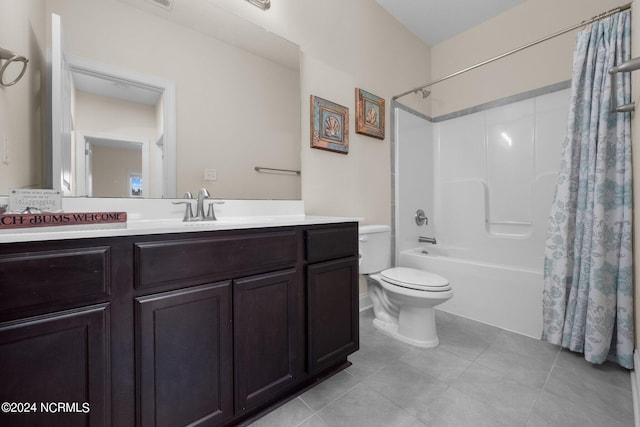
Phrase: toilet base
(416,326)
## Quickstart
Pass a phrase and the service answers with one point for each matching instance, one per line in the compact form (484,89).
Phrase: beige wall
(547,63)
(111,167)
(103,114)
(21,119)
(346,45)
(108,117)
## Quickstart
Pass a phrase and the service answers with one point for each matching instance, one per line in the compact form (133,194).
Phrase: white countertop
(145,227)
(150,217)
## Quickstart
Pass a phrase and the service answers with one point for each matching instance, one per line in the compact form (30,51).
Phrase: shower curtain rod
(511,52)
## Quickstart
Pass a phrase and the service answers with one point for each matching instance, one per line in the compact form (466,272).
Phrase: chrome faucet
(211,215)
(431,240)
(200,216)
(202,194)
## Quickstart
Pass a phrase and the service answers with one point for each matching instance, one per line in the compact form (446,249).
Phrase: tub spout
(431,240)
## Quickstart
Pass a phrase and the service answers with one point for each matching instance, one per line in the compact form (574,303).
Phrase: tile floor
(480,375)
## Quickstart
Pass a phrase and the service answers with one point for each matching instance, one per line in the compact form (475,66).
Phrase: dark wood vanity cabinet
(332,327)
(184,357)
(266,324)
(53,359)
(332,297)
(55,318)
(207,328)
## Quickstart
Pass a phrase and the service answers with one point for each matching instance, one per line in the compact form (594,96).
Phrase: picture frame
(370,113)
(329,125)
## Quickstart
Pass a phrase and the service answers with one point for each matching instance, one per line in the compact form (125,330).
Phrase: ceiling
(434,21)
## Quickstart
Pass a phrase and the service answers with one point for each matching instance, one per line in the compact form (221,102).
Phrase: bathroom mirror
(236,101)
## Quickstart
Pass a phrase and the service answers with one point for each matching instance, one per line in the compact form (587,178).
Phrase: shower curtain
(588,289)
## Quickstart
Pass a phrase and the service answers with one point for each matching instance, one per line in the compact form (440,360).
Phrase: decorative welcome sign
(42,208)
(53,219)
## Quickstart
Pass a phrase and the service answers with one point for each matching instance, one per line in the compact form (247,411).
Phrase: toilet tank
(374,243)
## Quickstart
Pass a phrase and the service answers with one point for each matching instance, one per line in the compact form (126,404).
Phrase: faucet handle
(211,215)
(188,212)
(188,195)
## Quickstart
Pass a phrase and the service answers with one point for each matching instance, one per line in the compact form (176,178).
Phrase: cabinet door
(58,365)
(265,331)
(332,307)
(183,356)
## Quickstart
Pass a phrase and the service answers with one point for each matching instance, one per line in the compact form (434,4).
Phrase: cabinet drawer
(159,263)
(331,243)
(33,280)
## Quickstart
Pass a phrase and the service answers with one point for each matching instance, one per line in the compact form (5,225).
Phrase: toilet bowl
(403,298)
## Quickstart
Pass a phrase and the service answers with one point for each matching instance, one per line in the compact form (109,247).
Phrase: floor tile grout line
(305,403)
(313,412)
(392,402)
(334,400)
(337,397)
(358,383)
(533,407)
(308,418)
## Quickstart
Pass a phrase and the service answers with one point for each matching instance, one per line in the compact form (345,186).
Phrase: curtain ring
(10,57)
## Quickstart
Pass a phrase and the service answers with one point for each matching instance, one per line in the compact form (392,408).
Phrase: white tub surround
(485,180)
(159,216)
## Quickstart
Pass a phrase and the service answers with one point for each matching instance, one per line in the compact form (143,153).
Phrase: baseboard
(366,303)
(635,388)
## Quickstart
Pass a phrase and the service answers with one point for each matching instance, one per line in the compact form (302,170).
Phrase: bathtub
(506,296)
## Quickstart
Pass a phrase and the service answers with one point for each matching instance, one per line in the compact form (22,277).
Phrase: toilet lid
(415,279)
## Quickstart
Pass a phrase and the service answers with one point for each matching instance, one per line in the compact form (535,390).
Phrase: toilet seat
(415,279)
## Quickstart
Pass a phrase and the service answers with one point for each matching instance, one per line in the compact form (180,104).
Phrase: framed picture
(369,114)
(329,125)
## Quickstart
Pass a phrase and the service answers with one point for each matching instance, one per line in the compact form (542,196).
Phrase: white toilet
(403,298)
